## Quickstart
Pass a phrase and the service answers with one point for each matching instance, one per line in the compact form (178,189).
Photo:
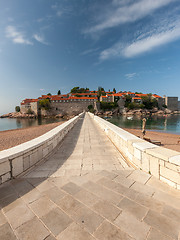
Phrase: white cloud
(130,75)
(40,39)
(148,41)
(119,13)
(90,51)
(16,36)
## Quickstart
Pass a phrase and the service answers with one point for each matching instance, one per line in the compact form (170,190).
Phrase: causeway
(86,191)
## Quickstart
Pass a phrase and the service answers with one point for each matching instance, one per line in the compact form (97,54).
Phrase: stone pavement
(83,192)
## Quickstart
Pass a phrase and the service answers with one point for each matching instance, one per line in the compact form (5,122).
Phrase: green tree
(49,94)
(128,100)
(17,108)
(59,92)
(45,104)
(149,102)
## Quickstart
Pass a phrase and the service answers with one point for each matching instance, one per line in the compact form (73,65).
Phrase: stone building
(171,103)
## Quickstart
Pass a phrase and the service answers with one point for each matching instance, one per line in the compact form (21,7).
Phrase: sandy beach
(167,140)
(11,138)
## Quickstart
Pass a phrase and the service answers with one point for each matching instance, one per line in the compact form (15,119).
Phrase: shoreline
(14,137)
(168,140)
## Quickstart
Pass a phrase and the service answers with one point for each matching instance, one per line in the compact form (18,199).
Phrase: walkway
(83,192)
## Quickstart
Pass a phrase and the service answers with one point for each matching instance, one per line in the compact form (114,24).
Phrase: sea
(165,123)
(15,123)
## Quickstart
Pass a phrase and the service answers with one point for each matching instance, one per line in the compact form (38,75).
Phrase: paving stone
(22,186)
(56,221)
(6,232)
(54,194)
(124,181)
(2,218)
(107,231)
(69,205)
(159,185)
(103,192)
(124,173)
(154,234)
(11,202)
(87,218)
(32,229)
(6,190)
(163,224)
(71,188)
(32,195)
(42,206)
(135,228)
(149,202)
(22,211)
(139,176)
(106,210)
(167,199)
(50,237)
(107,174)
(86,197)
(147,190)
(133,208)
(75,232)
(44,186)
(172,213)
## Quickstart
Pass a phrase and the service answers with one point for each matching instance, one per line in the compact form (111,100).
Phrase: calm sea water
(169,124)
(14,123)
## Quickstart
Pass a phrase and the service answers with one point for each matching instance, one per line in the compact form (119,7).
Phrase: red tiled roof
(141,95)
(93,94)
(118,94)
(156,96)
(28,100)
(137,98)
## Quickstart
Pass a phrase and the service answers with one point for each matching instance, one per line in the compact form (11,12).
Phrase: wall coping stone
(162,153)
(32,144)
(175,160)
(143,146)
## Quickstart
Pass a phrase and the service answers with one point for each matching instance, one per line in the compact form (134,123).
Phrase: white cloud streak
(130,75)
(120,13)
(148,42)
(40,39)
(16,36)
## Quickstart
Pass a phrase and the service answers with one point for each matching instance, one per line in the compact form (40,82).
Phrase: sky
(47,45)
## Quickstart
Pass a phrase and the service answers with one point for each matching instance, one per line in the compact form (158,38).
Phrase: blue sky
(46,45)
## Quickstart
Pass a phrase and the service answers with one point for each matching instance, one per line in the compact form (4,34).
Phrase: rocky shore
(26,115)
(139,112)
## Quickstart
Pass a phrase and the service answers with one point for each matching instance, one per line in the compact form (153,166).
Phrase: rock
(167,111)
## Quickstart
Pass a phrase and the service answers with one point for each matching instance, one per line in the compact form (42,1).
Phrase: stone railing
(16,160)
(161,162)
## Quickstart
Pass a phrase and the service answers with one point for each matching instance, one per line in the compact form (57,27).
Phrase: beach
(11,138)
(167,140)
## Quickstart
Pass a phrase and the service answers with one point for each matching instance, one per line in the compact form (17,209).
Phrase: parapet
(158,161)
(16,160)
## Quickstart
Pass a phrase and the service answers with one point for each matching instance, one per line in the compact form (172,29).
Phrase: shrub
(108,105)
(45,104)
(29,111)
(17,108)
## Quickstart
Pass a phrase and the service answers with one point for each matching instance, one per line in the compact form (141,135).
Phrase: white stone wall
(161,162)
(18,159)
